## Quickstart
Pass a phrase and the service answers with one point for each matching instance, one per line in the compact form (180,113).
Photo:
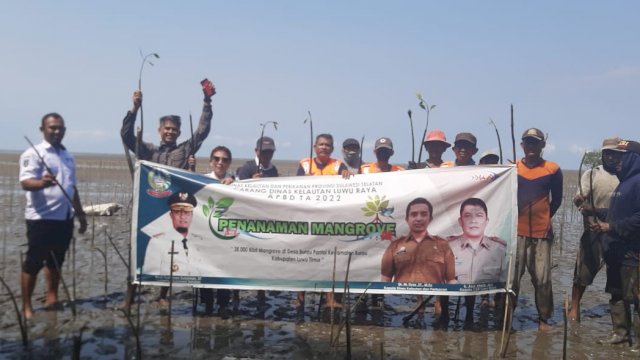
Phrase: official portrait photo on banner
(283,233)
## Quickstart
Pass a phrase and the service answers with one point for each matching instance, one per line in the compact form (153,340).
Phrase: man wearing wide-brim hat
(435,142)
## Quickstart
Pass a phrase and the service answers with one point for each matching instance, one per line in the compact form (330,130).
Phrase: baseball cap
(628,145)
(350,142)
(610,143)
(383,142)
(265,143)
(533,133)
(436,135)
(466,136)
(488,154)
(182,200)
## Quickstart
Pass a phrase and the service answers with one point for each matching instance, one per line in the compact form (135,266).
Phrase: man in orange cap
(436,144)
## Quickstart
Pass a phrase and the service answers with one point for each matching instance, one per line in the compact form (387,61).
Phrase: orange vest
(332,167)
(371,168)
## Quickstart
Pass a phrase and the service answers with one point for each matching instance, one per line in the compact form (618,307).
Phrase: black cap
(349,142)
(267,144)
(182,199)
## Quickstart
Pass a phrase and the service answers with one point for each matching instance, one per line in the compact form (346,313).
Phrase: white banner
(281,233)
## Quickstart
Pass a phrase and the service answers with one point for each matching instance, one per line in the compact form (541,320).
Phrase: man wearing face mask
(621,247)
(383,150)
(351,154)
(596,187)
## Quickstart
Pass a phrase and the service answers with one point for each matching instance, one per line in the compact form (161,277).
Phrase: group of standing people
(47,174)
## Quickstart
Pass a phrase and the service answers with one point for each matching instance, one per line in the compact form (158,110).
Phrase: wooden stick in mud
(417,309)
(333,291)
(135,333)
(73,266)
(117,251)
(171,278)
(77,344)
(21,322)
(350,309)
(347,309)
(138,311)
(564,334)
(507,312)
(457,312)
(355,305)
(106,271)
(64,285)
(93,229)
(348,320)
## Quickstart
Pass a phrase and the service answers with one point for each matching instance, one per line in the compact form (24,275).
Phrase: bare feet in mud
(574,314)
(544,326)
(27,313)
(331,304)
(53,306)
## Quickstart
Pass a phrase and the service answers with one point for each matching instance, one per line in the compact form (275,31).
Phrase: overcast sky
(570,68)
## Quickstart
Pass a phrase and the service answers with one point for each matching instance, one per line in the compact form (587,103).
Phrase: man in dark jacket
(622,246)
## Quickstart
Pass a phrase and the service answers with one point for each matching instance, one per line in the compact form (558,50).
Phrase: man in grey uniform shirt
(479,258)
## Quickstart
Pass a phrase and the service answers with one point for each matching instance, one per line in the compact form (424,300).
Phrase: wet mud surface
(101,329)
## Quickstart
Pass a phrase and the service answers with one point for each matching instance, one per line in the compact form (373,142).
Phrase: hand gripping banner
(283,233)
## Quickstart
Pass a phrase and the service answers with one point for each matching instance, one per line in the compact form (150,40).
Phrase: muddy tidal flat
(102,329)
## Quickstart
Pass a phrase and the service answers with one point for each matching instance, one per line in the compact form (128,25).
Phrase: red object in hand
(207,87)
